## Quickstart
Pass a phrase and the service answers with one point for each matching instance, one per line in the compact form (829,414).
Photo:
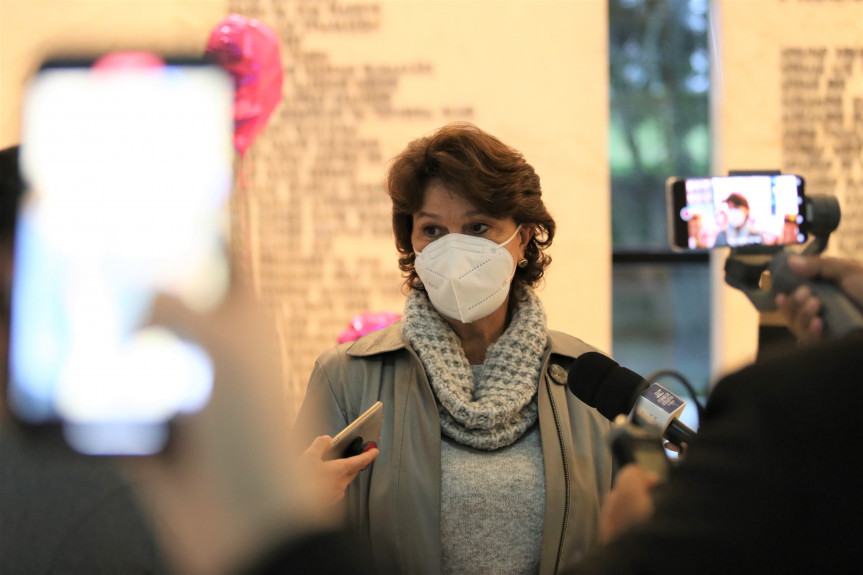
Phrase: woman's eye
(432,231)
(478,229)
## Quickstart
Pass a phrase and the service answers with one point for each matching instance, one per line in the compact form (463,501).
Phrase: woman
(487,463)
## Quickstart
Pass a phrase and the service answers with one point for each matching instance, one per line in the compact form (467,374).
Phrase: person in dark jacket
(771,482)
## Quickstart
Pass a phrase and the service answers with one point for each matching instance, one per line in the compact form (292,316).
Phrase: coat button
(557,373)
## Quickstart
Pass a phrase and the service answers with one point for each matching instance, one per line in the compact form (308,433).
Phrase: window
(659,127)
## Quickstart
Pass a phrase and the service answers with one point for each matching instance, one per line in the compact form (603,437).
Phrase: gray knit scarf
(502,406)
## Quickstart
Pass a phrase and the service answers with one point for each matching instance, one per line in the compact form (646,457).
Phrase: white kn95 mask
(466,277)
(736,217)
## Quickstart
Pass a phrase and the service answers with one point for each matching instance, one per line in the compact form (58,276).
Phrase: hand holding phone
(359,436)
(331,464)
(128,164)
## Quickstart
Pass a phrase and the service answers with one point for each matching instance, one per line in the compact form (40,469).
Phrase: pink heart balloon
(249,51)
(366,323)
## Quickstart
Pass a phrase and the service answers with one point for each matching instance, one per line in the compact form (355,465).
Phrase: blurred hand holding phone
(128,164)
(736,211)
(230,482)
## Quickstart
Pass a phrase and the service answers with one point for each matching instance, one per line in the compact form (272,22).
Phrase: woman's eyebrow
(470,214)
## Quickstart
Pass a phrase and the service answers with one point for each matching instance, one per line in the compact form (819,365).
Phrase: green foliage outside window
(659,68)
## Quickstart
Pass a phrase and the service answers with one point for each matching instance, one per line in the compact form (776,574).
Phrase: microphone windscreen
(620,392)
(601,382)
(586,375)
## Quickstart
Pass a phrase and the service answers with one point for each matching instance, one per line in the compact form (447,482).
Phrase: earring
(522,262)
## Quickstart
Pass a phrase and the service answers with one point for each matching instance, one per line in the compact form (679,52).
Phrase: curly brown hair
(484,171)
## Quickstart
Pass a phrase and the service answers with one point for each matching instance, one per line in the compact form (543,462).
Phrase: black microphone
(613,390)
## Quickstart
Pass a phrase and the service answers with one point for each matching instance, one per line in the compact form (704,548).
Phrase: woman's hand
(802,308)
(629,502)
(331,478)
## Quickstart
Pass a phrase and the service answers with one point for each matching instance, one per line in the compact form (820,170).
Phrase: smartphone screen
(735,211)
(128,164)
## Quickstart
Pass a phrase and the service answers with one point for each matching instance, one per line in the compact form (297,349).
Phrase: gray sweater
(492,506)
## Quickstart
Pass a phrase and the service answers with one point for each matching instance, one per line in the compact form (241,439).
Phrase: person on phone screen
(770,484)
(487,463)
(60,512)
(739,229)
(699,234)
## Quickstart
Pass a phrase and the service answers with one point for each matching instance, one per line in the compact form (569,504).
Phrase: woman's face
(444,212)
(737,216)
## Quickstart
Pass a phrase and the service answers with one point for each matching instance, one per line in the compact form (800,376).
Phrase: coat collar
(380,341)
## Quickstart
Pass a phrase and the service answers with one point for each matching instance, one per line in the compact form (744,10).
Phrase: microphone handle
(678,433)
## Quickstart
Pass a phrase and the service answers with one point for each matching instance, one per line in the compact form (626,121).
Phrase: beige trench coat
(395,504)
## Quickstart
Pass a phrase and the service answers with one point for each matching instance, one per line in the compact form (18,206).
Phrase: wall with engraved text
(362,78)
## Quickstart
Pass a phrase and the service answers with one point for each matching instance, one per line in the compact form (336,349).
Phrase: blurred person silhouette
(770,484)
(60,512)
(739,229)
(487,463)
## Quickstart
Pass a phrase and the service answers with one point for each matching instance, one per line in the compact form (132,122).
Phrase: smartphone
(640,445)
(127,160)
(735,211)
(359,436)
